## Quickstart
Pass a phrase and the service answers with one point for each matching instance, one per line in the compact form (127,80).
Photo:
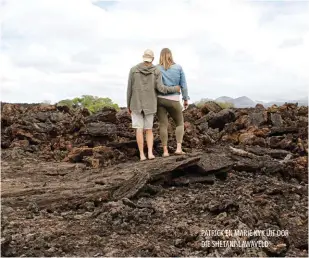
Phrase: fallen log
(150,171)
(130,187)
(58,197)
(184,170)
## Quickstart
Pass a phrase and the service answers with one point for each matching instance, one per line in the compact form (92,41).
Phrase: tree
(92,103)
(66,102)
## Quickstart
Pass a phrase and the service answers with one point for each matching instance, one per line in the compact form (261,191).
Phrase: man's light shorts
(140,120)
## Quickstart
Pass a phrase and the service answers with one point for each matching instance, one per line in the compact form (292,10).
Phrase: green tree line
(92,103)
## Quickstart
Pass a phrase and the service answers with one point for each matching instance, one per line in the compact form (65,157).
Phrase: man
(144,80)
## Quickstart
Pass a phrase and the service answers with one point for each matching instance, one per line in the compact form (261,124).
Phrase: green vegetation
(223,105)
(201,102)
(92,103)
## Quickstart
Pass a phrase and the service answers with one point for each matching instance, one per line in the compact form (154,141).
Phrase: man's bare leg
(149,139)
(140,143)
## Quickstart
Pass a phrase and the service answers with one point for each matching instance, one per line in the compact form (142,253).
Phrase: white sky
(57,49)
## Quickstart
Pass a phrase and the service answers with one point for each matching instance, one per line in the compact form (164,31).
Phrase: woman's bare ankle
(165,151)
(179,147)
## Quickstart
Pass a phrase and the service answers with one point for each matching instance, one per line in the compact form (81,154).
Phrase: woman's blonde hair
(166,58)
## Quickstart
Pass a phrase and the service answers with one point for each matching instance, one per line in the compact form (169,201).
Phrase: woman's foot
(165,152)
(179,150)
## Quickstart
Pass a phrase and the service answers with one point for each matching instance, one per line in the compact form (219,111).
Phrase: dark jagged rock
(100,129)
(213,163)
(276,131)
(123,116)
(186,180)
(277,154)
(5,242)
(120,145)
(205,118)
(276,119)
(211,106)
(222,118)
(77,154)
(258,118)
(218,207)
(259,107)
(104,115)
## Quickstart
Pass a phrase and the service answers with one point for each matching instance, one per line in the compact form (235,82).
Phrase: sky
(57,49)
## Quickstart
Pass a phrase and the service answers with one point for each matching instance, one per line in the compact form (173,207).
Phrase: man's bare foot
(151,156)
(165,154)
(143,158)
(177,152)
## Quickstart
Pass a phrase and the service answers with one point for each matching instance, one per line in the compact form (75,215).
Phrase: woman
(172,75)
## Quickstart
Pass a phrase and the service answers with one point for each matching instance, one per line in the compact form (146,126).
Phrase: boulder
(123,116)
(104,115)
(100,129)
(259,107)
(258,118)
(251,139)
(210,106)
(77,154)
(220,119)
(276,119)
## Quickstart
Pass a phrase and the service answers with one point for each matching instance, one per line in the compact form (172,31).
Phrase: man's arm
(162,88)
(183,85)
(129,90)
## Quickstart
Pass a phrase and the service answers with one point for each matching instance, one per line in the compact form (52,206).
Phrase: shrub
(92,103)
(223,105)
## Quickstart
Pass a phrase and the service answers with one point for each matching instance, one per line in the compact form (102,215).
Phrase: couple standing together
(156,89)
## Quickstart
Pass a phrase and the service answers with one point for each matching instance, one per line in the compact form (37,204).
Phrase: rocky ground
(72,184)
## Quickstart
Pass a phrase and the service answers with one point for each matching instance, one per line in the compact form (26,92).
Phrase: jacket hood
(146,69)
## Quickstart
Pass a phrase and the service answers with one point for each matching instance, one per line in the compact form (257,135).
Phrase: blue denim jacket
(175,76)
